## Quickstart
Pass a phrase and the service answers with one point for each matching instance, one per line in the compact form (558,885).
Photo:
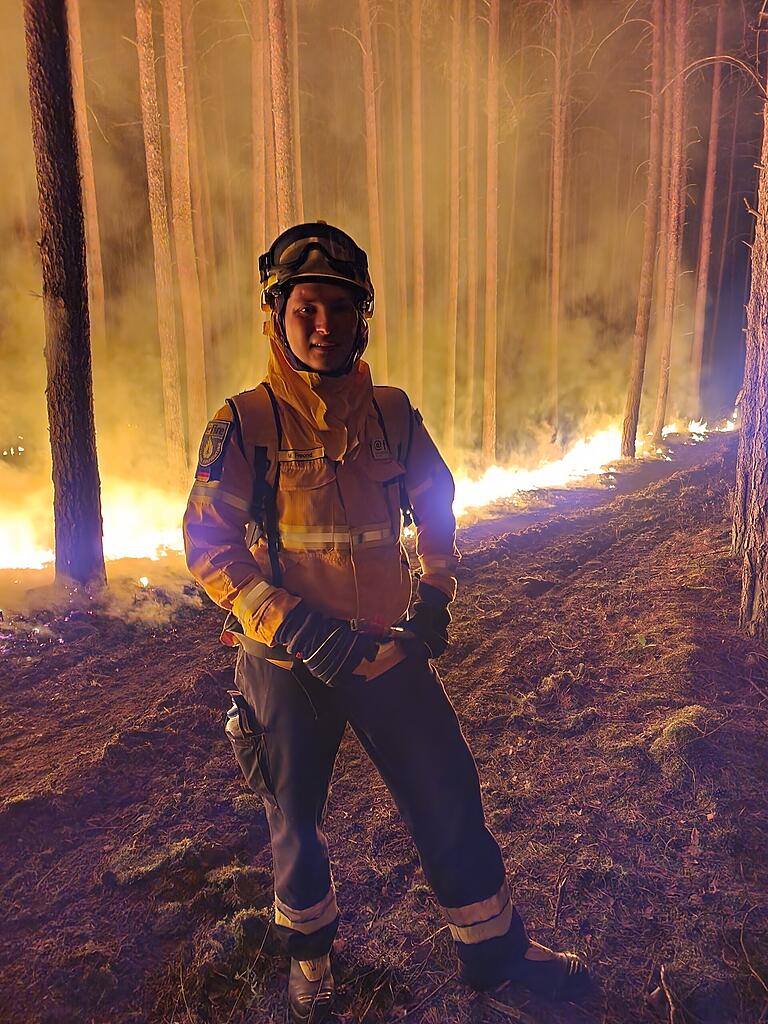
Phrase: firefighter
(294,527)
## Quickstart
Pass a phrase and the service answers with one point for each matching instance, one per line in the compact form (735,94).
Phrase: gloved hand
(429,619)
(328,647)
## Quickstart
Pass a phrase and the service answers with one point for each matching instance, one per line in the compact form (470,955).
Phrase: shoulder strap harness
(263,510)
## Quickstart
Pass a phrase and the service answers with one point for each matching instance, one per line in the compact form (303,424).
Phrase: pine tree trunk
(400,351)
(510,262)
(296,109)
(648,259)
(454,209)
(282,116)
(705,239)
(666,163)
(750,507)
(69,392)
(197,175)
(676,188)
(259,56)
(161,243)
(473,231)
(204,224)
(181,207)
(269,134)
(374,190)
(96,302)
(730,199)
(559,106)
(232,250)
(491,237)
(417,174)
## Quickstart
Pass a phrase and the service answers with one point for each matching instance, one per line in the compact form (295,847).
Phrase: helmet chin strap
(359,346)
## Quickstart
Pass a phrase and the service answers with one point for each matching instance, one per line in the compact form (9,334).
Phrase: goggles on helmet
(315,252)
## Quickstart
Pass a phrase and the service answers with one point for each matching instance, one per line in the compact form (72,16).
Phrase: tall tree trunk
(76,486)
(181,207)
(473,231)
(666,163)
(750,507)
(676,188)
(161,243)
(417,174)
(454,209)
(208,251)
(296,108)
(259,56)
(282,116)
(96,303)
(400,351)
(197,175)
(730,199)
(491,236)
(374,189)
(705,238)
(510,264)
(269,130)
(648,259)
(234,255)
(559,110)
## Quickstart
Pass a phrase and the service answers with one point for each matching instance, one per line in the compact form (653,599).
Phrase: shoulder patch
(380,448)
(211,450)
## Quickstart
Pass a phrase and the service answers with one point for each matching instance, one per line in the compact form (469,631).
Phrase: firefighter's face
(321,325)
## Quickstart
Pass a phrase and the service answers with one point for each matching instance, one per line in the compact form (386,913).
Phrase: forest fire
(318,251)
(143,522)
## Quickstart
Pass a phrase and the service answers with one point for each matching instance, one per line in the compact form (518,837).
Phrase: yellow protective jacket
(344,451)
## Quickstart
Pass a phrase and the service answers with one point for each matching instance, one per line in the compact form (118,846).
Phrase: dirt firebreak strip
(619,724)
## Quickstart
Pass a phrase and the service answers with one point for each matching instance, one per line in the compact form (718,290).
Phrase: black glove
(326,646)
(429,619)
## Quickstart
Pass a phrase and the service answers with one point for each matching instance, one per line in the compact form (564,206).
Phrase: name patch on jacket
(300,454)
(380,448)
(211,454)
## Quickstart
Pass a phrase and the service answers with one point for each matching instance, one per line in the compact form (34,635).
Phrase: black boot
(563,976)
(311,991)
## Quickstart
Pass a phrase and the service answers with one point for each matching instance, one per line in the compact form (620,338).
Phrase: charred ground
(619,723)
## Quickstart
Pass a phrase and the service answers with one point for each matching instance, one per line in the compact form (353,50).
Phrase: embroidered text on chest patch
(380,448)
(300,454)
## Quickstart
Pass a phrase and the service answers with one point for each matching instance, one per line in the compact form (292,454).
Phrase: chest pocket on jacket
(308,505)
(305,474)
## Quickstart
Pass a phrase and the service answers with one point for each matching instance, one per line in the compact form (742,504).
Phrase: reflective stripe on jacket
(339,523)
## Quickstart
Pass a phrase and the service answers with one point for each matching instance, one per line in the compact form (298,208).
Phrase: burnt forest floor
(619,723)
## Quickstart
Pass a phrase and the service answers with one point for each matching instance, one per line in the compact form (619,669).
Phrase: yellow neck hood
(336,407)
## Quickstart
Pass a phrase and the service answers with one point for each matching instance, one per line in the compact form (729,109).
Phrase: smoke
(602,229)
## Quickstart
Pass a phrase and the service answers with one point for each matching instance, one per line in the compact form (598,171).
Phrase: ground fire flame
(144,522)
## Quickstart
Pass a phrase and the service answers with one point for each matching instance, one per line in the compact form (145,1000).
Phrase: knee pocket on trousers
(248,740)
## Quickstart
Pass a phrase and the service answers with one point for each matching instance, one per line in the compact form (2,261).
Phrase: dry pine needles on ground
(618,720)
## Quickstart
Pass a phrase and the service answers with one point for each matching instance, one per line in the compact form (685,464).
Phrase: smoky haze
(606,57)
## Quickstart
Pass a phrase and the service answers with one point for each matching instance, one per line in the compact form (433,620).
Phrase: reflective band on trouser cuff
(251,597)
(430,564)
(328,537)
(477,922)
(211,493)
(310,920)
